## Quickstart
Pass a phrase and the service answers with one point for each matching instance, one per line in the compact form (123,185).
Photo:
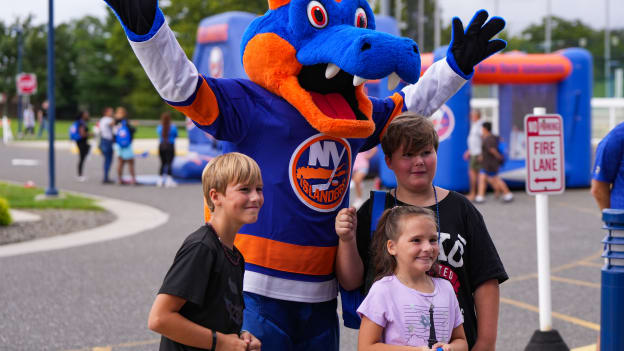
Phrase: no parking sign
(544,163)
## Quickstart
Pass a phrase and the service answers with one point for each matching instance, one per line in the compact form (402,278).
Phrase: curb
(132,218)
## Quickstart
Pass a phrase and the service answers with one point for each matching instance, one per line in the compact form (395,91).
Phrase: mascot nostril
(302,115)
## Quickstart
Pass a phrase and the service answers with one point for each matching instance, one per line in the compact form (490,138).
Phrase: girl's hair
(410,130)
(165,121)
(388,228)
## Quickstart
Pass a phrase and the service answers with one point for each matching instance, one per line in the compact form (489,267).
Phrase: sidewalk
(139,145)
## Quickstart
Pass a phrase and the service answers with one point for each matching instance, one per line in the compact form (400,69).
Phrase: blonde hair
(230,168)
(388,228)
(410,130)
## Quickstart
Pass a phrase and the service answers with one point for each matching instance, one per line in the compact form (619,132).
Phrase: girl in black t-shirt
(468,258)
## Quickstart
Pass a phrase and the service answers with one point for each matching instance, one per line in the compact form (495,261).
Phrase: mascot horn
(303,116)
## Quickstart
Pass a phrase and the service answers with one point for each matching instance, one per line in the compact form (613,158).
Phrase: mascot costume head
(303,115)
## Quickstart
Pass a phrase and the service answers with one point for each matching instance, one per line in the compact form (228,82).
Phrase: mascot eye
(317,14)
(361,21)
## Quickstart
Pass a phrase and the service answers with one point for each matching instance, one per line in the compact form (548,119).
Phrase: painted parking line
(585,261)
(591,347)
(557,315)
(574,282)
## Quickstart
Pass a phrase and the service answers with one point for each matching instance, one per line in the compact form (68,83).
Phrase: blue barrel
(612,290)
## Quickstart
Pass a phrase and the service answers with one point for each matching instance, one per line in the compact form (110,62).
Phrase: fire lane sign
(545,163)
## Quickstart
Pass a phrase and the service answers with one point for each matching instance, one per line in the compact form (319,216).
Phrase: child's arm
(458,341)
(349,266)
(487,299)
(165,319)
(370,336)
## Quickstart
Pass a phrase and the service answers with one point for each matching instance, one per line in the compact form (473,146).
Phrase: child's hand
(346,222)
(442,347)
(230,342)
(253,344)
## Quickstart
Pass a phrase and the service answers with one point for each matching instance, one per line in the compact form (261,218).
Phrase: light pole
(548,29)
(51,191)
(18,30)
(607,43)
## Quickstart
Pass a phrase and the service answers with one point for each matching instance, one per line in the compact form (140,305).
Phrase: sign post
(545,175)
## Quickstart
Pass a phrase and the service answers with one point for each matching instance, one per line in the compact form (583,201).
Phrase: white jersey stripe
(290,290)
(173,75)
(431,91)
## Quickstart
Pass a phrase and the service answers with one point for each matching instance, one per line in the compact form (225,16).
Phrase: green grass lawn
(24,198)
(61,130)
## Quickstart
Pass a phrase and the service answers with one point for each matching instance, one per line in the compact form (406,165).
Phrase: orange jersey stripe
(204,109)
(310,260)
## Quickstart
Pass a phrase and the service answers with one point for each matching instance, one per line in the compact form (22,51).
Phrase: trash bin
(612,287)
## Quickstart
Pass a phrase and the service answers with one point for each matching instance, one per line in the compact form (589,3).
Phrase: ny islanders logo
(444,122)
(319,172)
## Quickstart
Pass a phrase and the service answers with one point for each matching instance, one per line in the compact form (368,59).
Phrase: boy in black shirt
(468,257)
(200,304)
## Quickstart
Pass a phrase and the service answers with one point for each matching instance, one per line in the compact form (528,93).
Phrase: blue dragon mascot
(303,115)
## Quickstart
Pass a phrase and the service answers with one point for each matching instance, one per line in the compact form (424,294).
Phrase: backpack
(351,300)
(74,131)
(123,137)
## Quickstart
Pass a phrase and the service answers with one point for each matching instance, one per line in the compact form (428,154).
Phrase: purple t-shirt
(404,313)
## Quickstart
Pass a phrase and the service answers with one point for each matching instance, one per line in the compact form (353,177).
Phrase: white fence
(606,113)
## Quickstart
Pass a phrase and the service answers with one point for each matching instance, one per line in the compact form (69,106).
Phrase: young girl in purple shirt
(406,305)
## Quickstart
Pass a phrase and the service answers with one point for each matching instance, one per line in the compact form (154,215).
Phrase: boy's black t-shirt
(209,276)
(467,257)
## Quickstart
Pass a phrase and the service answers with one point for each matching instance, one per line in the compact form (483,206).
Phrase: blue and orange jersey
(306,178)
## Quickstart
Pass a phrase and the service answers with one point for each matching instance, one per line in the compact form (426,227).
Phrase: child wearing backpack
(467,258)
(200,304)
(79,132)
(124,132)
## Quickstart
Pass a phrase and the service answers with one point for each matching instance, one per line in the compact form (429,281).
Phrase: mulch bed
(52,223)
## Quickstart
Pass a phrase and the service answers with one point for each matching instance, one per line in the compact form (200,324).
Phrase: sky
(518,13)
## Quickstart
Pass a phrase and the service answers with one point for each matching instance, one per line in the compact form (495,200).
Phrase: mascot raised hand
(303,116)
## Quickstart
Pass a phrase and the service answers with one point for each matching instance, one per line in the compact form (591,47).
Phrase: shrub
(5,215)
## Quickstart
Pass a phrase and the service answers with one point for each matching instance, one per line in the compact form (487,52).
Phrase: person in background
(82,141)
(124,133)
(167,133)
(105,125)
(491,162)
(607,185)
(473,154)
(42,117)
(360,171)
(28,118)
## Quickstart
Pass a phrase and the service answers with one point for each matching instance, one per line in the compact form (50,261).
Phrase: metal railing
(606,113)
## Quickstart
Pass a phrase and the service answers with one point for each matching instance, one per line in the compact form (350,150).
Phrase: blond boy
(200,303)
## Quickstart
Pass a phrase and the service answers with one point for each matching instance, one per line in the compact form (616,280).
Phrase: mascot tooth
(303,115)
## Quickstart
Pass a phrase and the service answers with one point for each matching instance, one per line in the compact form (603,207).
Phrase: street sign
(26,83)
(545,163)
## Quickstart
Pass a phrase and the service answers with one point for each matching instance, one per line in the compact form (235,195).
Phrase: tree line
(95,66)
